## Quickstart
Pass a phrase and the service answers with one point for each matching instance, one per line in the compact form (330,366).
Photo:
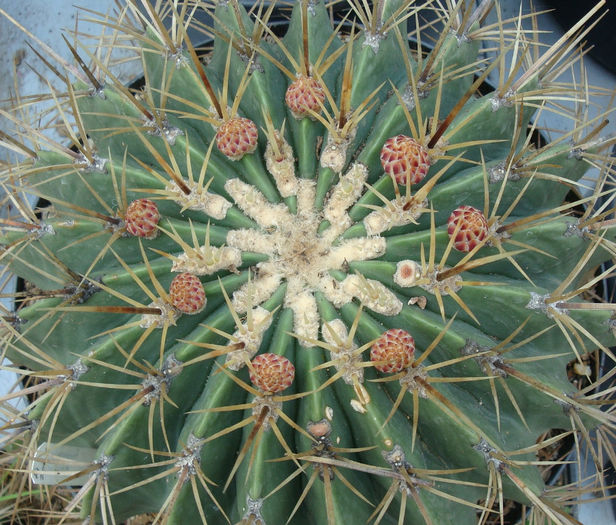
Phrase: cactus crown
(311,278)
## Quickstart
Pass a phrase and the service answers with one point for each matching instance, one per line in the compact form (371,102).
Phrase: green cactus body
(307,248)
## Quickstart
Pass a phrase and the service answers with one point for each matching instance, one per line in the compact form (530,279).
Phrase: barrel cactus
(315,274)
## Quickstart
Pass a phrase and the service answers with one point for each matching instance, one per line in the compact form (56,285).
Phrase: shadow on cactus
(312,278)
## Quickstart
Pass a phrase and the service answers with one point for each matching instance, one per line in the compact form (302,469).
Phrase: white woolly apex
(407,273)
(248,240)
(168,316)
(256,291)
(346,192)
(335,151)
(208,260)
(334,291)
(305,312)
(251,201)
(211,204)
(373,294)
(305,196)
(302,256)
(282,168)
(357,249)
(249,336)
(331,234)
(394,214)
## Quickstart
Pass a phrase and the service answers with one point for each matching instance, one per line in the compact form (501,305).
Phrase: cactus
(311,278)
